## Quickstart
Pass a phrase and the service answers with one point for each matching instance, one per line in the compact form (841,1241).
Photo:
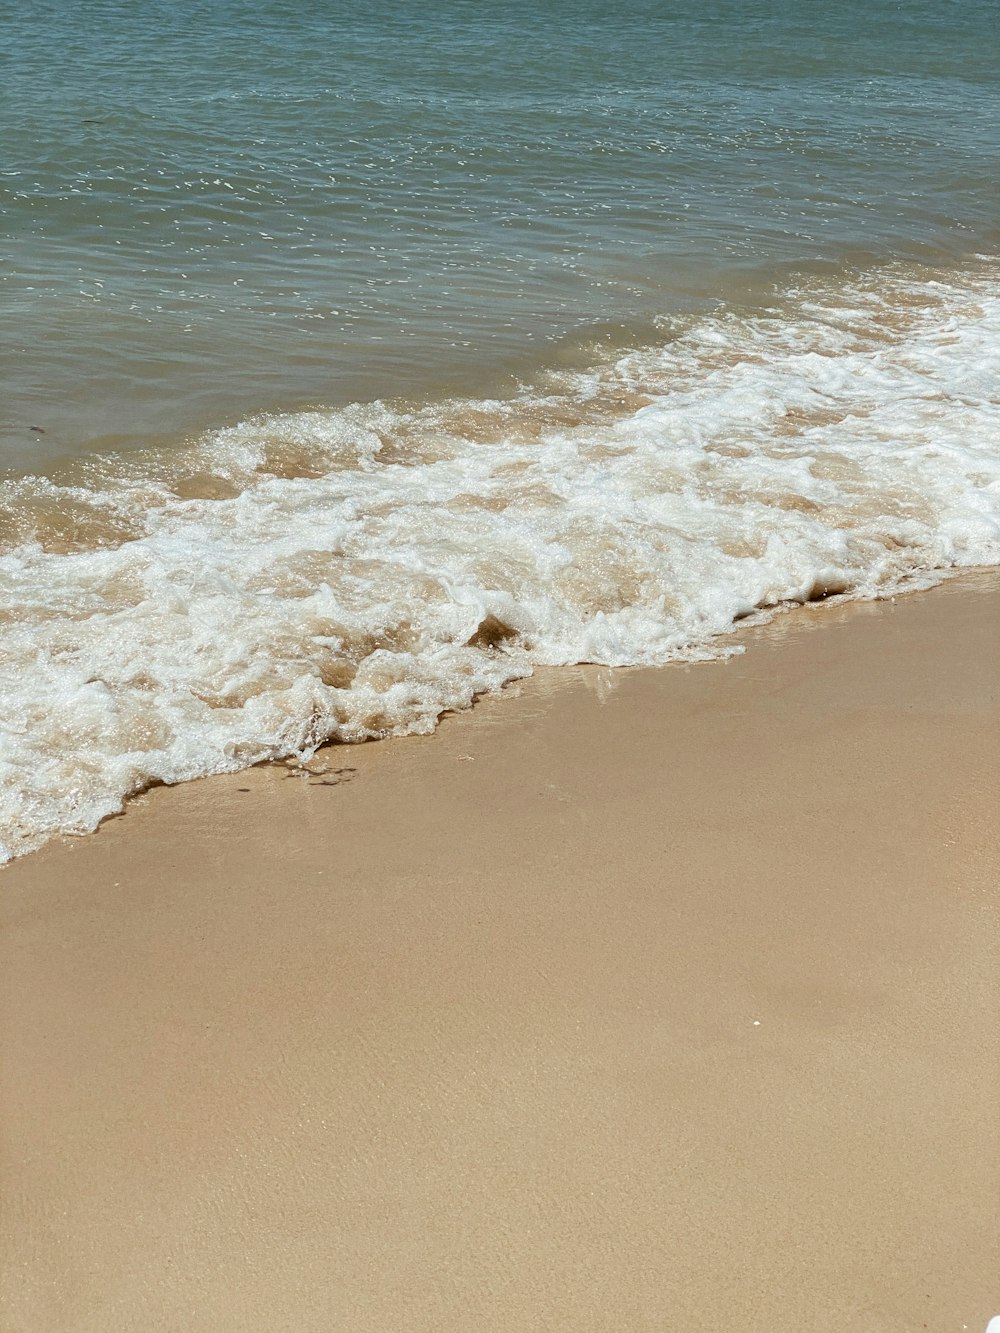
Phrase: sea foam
(348,574)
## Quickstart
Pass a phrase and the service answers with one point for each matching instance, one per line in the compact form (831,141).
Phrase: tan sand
(652,1000)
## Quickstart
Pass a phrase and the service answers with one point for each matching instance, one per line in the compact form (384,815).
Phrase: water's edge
(351,574)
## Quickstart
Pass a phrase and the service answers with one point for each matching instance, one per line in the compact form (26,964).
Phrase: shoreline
(344,574)
(655,998)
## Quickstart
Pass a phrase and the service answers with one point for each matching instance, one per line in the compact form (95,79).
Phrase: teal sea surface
(356,360)
(215,207)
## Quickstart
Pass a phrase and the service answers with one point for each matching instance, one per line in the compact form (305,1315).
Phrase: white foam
(629,515)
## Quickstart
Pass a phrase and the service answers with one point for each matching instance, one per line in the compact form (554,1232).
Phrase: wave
(354,573)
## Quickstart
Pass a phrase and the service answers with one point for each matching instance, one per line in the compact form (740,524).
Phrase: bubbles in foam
(355,573)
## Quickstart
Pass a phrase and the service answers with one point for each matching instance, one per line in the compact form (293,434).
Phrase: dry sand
(651,1000)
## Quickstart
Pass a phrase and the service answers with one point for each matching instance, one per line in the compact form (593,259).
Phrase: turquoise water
(359,360)
(212,209)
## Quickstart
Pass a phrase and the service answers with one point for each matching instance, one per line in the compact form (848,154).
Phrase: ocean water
(356,361)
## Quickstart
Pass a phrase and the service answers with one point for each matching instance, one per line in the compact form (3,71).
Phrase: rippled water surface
(213,207)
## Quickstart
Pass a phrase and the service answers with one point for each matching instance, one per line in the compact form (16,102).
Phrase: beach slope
(650,1000)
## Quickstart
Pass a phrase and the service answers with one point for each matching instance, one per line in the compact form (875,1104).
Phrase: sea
(358,359)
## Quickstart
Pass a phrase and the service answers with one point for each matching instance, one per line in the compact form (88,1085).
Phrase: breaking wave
(354,573)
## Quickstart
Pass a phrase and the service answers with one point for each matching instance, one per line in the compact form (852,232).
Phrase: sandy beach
(649,1000)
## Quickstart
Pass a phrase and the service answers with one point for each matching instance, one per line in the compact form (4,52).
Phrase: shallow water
(377,361)
(219,207)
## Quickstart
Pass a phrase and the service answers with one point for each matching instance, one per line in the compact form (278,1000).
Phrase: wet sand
(649,1000)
